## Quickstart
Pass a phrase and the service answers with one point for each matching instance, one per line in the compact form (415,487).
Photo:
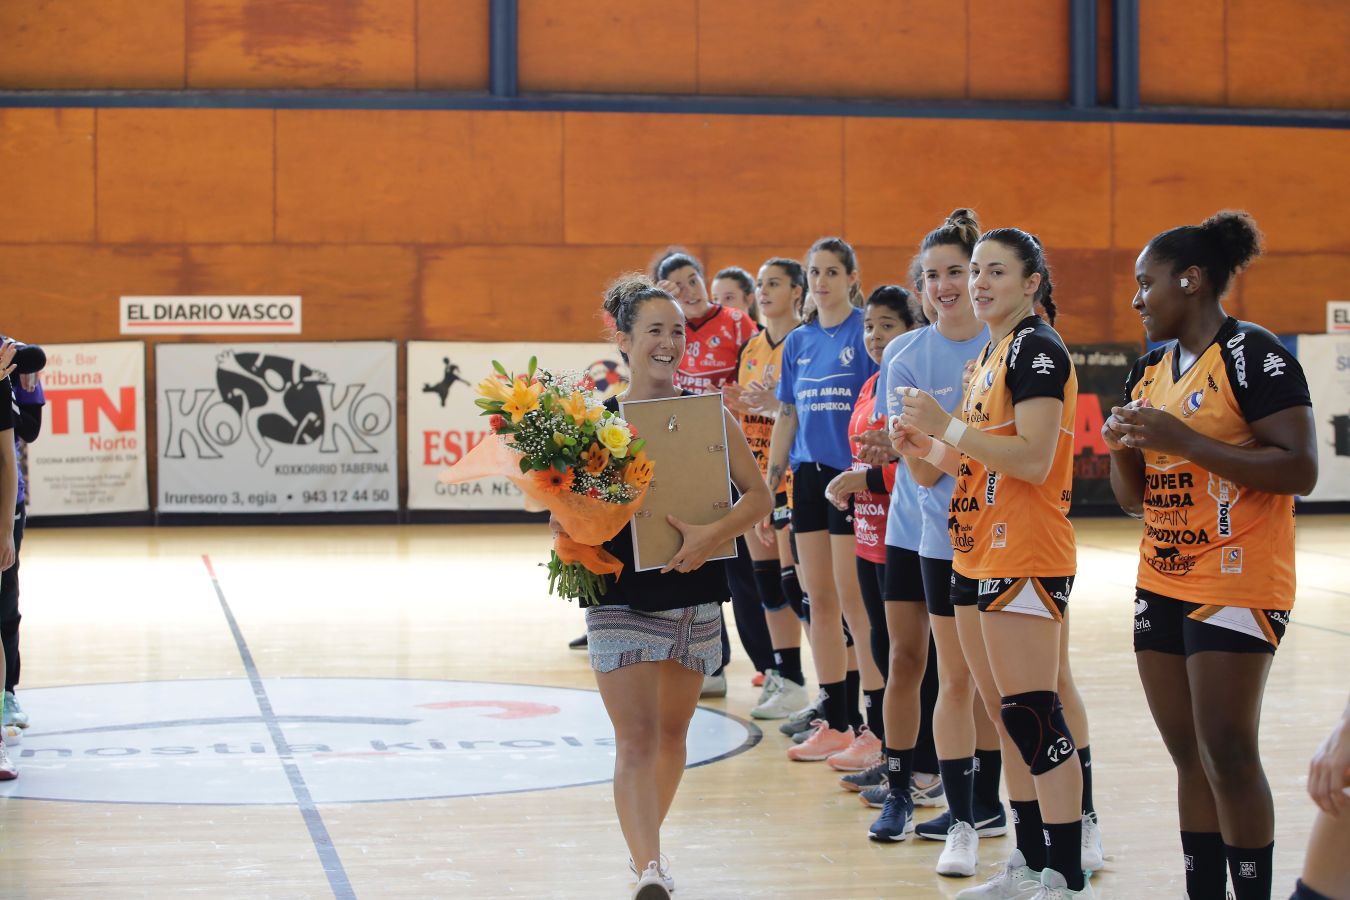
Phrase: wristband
(935,453)
(955,429)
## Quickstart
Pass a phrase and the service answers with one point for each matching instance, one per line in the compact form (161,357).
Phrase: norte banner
(443,422)
(1325,359)
(91,454)
(1102,369)
(277,428)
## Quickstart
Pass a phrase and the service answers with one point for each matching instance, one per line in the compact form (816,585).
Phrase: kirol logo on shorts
(846,356)
(1231,563)
(1191,405)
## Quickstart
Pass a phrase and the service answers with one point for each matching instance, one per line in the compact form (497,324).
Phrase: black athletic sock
(835,705)
(789,663)
(1249,870)
(958,783)
(1030,832)
(1064,851)
(875,720)
(852,687)
(899,769)
(1303,892)
(988,774)
(1206,865)
(1085,756)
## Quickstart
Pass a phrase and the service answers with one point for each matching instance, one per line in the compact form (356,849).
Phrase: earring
(1185,282)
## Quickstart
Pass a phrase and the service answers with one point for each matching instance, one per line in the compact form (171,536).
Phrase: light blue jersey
(903,525)
(822,374)
(934,364)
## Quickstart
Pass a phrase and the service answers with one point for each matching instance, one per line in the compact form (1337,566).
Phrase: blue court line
(318,832)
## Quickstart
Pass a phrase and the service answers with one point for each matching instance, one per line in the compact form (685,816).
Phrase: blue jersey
(823,372)
(934,364)
(903,528)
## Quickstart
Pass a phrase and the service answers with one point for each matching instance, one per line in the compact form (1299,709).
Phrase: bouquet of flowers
(567,453)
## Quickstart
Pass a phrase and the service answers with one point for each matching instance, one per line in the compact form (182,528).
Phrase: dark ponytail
(1027,248)
(625,296)
(961,229)
(795,274)
(1221,246)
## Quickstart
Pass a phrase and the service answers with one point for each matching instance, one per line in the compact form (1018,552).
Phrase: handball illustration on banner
(277,427)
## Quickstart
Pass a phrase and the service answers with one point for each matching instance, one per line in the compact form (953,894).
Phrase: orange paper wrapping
(587,521)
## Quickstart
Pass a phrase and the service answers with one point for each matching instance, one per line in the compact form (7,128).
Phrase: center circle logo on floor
(344,740)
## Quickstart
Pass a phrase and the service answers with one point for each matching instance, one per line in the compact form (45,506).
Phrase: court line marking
(318,832)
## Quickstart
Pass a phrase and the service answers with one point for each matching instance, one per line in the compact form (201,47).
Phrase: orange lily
(493,388)
(524,398)
(595,459)
(575,406)
(639,470)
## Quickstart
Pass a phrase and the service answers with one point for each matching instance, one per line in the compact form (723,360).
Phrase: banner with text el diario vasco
(1325,359)
(277,427)
(90,456)
(444,423)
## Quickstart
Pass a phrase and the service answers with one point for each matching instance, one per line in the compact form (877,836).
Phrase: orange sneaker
(757,680)
(864,753)
(823,743)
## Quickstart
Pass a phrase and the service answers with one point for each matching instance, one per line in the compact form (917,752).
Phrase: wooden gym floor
(160,631)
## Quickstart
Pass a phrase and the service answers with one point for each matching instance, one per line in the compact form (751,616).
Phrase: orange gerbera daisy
(554,482)
(595,459)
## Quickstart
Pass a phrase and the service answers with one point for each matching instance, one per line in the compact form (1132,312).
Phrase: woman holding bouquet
(655,635)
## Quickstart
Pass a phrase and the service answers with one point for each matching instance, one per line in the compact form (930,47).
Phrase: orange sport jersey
(712,345)
(1206,539)
(1002,527)
(761,364)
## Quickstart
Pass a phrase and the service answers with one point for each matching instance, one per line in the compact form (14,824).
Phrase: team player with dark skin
(1213,440)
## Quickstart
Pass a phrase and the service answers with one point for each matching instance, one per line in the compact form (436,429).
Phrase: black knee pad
(769,583)
(1035,722)
(792,592)
(848,635)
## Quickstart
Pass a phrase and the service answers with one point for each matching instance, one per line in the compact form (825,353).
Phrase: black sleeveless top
(652,591)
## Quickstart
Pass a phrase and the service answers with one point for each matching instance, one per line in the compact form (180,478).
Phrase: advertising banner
(1102,369)
(91,455)
(277,428)
(444,423)
(1325,359)
(210,315)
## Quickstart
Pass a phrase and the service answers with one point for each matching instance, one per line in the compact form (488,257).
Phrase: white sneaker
(1014,881)
(1054,887)
(8,771)
(13,735)
(772,683)
(663,868)
(785,700)
(1093,858)
(651,884)
(13,713)
(961,856)
(714,685)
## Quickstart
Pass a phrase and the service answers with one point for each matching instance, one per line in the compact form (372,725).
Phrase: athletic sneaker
(896,821)
(823,743)
(1093,859)
(1054,887)
(664,869)
(862,754)
(930,795)
(766,685)
(13,713)
(988,823)
(13,734)
(651,885)
(714,685)
(801,720)
(1013,881)
(578,643)
(875,796)
(857,781)
(961,856)
(8,771)
(786,697)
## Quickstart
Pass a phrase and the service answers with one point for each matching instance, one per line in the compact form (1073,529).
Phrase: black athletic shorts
(1181,628)
(904,578)
(937,586)
(781,517)
(810,510)
(1047,597)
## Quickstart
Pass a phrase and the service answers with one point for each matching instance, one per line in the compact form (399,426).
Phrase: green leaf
(560,464)
(636,447)
(525,465)
(534,363)
(489,405)
(500,369)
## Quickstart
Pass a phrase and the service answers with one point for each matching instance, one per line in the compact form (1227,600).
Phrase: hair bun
(624,289)
(1234,236)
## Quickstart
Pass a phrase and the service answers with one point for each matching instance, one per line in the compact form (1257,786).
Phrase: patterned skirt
(621,636)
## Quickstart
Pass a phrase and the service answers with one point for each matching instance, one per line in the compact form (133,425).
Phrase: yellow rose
(615,439)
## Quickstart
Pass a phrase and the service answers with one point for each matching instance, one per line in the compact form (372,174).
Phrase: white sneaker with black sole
(651,884)
(961,857)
